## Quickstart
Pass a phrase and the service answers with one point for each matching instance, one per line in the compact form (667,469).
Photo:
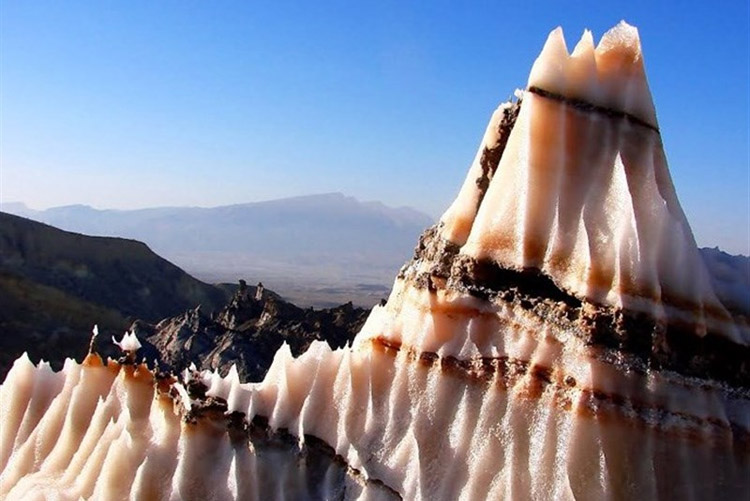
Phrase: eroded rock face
(247,332)
(556,336)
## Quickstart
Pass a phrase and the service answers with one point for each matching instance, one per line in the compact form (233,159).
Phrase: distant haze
(318,249)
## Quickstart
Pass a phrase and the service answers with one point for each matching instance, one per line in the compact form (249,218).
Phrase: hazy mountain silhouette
(331,243)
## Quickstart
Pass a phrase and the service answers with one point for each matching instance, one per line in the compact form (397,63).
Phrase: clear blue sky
(152,103)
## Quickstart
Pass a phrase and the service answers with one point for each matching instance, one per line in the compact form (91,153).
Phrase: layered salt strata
(555,336)
(581,192)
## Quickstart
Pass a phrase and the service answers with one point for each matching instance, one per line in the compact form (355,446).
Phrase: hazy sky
(134,104)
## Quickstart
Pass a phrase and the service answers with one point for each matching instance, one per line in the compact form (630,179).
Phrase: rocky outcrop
(247,332)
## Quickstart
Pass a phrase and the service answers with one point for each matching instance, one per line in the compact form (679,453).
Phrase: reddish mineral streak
(506,373)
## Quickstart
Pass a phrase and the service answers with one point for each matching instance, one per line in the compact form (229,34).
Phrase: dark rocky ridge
(121,274)
(55,285)
(247,332)
(491,154)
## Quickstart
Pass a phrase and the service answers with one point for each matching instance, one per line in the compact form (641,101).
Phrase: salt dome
(555,336)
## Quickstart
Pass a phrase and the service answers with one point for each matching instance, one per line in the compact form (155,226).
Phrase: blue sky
(153,103)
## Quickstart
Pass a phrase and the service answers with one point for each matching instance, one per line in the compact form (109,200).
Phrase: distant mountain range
(318,249)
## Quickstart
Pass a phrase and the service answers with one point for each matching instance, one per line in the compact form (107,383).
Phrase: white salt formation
(112,432)
(129,343)
(583,194)
(556,336)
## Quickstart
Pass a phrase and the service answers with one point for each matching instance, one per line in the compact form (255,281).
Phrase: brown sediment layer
(258,428)
(485,279)
(138,372)
(673,346)
(164,382)
(588,107)
(94,360)
(490,158)
(506,372)
(213,411)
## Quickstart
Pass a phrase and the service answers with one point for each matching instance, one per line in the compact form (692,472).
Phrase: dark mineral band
(506,372)
(672,346)
(587,107)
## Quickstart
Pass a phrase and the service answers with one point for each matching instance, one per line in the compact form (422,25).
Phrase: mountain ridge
(74,261)
(20,208)
(317,250)
(246,333)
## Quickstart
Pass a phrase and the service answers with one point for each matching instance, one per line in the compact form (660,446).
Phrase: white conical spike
(623,39)
(585,46)
(549,70)
(184,397)
(128,343)
(617,81)
(459,217)
(582,77)
(622,76)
